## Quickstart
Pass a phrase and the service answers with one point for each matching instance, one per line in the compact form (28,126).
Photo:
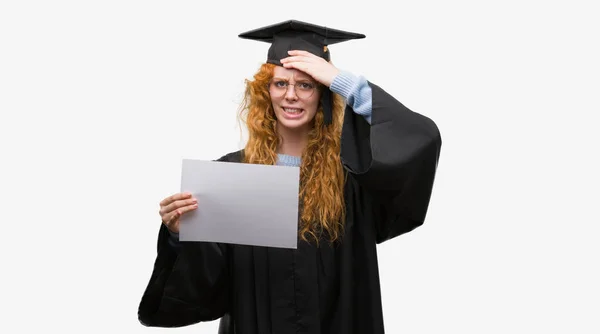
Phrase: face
(295,97)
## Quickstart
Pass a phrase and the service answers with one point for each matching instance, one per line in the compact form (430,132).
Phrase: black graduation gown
(319,290)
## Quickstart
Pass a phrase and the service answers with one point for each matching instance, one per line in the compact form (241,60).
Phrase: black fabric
(298,35)
(318,290)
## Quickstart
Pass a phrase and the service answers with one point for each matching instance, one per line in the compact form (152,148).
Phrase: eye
(280,84)
(306,85)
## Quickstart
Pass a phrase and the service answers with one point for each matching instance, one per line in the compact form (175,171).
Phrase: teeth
(292,110)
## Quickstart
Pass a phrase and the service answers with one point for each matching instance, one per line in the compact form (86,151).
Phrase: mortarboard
(297,35)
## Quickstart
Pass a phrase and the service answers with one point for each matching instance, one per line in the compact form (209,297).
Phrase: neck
(293,141)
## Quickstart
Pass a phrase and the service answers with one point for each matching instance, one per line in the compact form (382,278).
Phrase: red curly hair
(322,176)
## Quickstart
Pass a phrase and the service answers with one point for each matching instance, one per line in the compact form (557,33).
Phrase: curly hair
(322,176)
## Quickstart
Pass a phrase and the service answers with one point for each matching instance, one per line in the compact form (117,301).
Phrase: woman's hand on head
(172,207)
(315,66)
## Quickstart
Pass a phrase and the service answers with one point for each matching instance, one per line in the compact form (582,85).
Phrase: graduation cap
(298,35)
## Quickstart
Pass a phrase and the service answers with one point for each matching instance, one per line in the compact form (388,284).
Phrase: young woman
(367,166)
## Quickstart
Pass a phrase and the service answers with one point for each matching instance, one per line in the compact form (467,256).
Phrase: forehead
(290,73)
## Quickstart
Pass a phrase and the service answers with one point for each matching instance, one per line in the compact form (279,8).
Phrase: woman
(367,166)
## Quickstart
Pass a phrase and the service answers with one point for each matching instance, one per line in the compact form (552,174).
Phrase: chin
(293,124)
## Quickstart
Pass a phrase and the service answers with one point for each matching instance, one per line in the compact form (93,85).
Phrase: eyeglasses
(303,90)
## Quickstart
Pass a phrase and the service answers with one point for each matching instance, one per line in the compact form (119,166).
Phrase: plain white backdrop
(100,101)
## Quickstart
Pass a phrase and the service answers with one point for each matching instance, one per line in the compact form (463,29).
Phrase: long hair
(322,176)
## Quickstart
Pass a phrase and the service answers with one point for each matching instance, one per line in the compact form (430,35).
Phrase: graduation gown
(391,164)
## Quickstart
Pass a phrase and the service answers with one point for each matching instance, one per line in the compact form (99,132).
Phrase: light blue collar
(288,160)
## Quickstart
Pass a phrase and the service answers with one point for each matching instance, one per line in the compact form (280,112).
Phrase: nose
(290,92)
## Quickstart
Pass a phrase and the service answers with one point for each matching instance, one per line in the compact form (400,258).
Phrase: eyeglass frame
(316,86)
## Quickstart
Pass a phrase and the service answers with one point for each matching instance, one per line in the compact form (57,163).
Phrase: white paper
(246,204)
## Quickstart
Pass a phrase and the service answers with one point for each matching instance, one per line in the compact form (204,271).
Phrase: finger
(178,204)
(176,214)
(174,217)
(187,209)
(302,53)
(303,59)
(175,197)
(172,208)
(301,66)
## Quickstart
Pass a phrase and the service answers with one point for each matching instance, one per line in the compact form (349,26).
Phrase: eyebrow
(298,80)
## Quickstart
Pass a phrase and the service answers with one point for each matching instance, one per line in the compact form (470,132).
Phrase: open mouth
(293,111)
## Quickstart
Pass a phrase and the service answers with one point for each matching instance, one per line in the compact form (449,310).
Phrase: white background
(100,101)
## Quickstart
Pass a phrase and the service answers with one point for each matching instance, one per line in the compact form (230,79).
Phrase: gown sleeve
(394,160)
(189,283)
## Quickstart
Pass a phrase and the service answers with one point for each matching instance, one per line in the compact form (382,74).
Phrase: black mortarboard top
(298,35)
